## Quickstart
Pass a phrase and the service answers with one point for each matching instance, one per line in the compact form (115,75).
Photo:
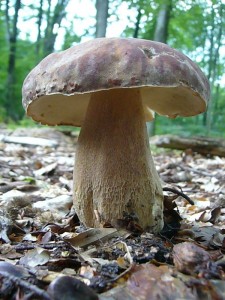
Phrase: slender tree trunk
(162,24)
(39,23)
(206,114)
(53,20)
(215,44)
(161,35)
(137,24)
(102,7)
(216,104)
(12,33)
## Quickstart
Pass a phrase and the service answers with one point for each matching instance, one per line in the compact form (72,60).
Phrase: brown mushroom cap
(57,91)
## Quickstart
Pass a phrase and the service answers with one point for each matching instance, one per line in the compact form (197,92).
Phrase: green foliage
(186,28)
(148,10)
(189,126)
(25,122)
(196,27)
(29,180)
(70,38)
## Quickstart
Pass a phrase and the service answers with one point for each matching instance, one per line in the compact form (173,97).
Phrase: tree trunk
(161,35)
(203,145)
(102,7)
(137,24)
(162,24)
(39,23)
(53,20)
(12,33)
(215,45)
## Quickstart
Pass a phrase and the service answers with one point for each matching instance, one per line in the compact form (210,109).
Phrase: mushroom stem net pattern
(114,171)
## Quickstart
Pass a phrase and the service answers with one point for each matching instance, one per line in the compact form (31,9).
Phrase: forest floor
(46,254)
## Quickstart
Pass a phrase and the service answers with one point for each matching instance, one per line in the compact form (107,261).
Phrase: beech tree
(215,43)
(193,27)
(39,23)
(54,18)
(161,35)
(102,7)
(12,36)
(162,22)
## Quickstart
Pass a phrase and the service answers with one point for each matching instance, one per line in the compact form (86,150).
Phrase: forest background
(30,30)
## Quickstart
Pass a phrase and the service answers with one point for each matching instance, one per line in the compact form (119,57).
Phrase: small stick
(121,274)
(166,189)
(23,247)
(195,171)
(20,282)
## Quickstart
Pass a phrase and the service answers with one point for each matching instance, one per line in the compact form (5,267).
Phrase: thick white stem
(114,171)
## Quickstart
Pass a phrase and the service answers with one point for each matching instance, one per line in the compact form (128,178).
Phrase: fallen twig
(121,274)
(166,189)
(20,282)
(196,171)
(49,246)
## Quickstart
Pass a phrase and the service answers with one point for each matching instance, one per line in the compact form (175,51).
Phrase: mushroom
(111,87)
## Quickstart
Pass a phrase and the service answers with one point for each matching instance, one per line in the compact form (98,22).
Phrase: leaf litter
(45,253)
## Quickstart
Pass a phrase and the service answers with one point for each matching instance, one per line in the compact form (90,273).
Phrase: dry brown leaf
(188,258)
(35,257)
(92,236)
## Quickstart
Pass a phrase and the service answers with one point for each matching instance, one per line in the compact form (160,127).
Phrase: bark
(53,20)
(114,174)
(215,45)
(216,100)
(161,35)
(203,145)
(12,32)
(207,114)
(162,24)
(137,24)
(102,7)
(39,23)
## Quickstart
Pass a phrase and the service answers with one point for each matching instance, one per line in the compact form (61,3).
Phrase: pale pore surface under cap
(59,109)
